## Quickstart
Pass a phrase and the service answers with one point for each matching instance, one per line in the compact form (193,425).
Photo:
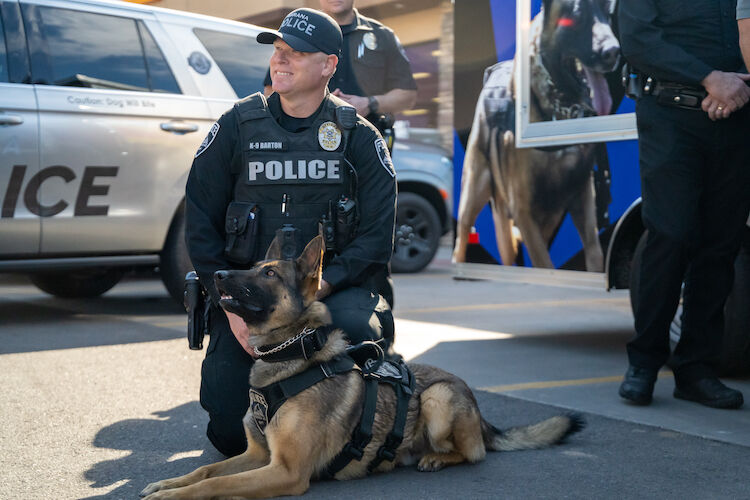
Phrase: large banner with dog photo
(544,149)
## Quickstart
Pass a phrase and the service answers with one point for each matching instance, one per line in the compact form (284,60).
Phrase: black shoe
(709,392)
(638,386)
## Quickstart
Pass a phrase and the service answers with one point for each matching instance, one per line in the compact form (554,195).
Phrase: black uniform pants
(695,182)
(225,373)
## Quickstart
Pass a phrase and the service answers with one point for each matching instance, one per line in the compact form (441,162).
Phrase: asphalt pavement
(100,396)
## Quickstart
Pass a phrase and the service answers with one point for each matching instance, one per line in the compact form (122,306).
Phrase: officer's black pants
(226,368)
(695,182)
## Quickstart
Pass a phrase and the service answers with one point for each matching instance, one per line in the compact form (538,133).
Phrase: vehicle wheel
(735,348)
(83,283)
(417,234)
(175,262)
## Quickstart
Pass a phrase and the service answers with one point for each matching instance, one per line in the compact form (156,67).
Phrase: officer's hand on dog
(727,88)
(241,332)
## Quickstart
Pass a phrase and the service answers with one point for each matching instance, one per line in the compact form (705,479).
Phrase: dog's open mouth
(594,81)
(232,304)
(600,96)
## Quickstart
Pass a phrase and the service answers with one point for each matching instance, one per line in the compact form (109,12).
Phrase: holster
(196,305)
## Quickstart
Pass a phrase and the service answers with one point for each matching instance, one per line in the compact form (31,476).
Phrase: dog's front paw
(431,463)
(153,488)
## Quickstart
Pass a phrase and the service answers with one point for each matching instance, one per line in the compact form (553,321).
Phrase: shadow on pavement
(86,323)
(170,444)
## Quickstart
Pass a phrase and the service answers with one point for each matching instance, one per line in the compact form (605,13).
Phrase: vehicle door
(118,130)
(19,142)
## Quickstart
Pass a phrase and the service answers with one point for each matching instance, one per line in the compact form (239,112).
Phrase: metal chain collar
(306,331)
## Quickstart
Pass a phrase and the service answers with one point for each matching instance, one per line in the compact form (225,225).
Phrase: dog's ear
(310,266)
(274,251)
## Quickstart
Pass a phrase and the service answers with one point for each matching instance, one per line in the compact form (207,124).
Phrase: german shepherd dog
(572,46)
(276,298)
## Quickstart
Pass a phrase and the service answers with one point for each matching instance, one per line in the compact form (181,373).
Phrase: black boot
(709,391)
(638,386)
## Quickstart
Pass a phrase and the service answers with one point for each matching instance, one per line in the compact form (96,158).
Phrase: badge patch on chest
(259,410)
(370,41)
(329,136)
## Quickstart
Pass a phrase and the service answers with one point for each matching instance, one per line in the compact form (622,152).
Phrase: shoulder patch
(381,148)
(208,140)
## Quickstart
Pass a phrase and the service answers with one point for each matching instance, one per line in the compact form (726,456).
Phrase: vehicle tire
(174,259)
(84,283)
(735,348)
(417,234)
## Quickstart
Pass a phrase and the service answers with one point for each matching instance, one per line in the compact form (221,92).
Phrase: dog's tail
(546,433)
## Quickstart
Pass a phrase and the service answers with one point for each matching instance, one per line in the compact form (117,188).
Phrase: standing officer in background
(694,159)
(373,74)
(295,160)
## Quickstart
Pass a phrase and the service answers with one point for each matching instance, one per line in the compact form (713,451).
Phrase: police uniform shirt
(210,188)
(679,41)
(373,61)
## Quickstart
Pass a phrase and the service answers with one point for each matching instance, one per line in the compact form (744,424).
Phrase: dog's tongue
(600,96)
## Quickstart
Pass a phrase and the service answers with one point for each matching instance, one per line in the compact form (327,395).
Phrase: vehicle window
(92,50)
(160,76)
(241,58)
(3,55)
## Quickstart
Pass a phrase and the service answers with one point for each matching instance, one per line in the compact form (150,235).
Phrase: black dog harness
(367,358)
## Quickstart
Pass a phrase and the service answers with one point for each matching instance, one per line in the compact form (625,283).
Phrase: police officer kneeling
(296,162)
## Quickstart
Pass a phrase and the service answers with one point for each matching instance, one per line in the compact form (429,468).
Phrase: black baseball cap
(307,30)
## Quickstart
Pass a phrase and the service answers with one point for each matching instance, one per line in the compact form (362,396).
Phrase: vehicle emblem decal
(381,148)
(199,62)
(208,140)
(370,41)
(259,410)
(329,136)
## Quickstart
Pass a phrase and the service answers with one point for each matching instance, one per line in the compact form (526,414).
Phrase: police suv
(102,107)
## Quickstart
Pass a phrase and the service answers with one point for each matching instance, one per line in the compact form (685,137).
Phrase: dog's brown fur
(443,424)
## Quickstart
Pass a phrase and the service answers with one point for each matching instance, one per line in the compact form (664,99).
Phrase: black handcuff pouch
(680,97)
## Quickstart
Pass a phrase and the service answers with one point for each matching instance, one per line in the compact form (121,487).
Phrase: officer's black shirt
(290,123)
(679,41)
(344,78)
(210,187)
